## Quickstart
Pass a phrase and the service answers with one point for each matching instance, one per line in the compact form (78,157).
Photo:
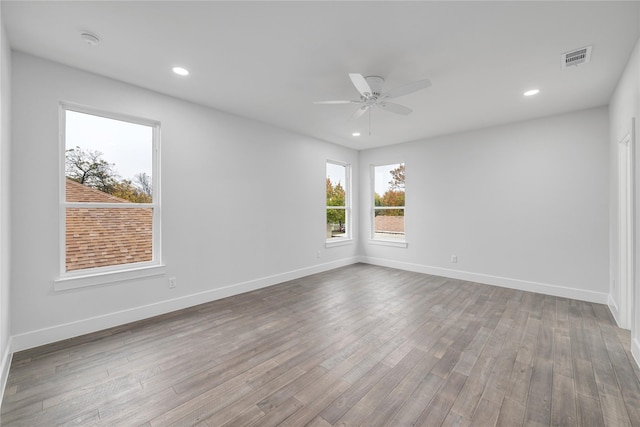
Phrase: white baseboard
(505,282)
(613,308)
(85,326)
(4,368)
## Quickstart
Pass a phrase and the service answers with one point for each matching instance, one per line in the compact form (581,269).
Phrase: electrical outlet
(172,282)
(318,254)
(454,258)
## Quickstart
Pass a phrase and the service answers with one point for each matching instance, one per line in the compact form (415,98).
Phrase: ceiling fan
(370,89)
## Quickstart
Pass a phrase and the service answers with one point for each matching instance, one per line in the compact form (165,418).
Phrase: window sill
(392,243)
(74,282)
(338,242)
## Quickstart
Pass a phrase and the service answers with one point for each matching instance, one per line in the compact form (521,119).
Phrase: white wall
(523,205)
(5,237)
(242,205)
(624,106)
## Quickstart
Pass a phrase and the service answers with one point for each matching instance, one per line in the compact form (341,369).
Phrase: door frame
(626,228)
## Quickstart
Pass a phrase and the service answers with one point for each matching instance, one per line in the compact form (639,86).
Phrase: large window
(388,202)
(338,205)
(109,193)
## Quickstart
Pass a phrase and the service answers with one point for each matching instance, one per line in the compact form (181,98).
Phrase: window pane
(112,159)
(336,184)
(389,185)
(99,237)
(336,223)
(388,224)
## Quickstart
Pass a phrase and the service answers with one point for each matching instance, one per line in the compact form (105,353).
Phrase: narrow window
(338,205)
(110,193)
(388,202)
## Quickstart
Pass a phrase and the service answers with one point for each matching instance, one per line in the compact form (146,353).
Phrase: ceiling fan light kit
(371,95)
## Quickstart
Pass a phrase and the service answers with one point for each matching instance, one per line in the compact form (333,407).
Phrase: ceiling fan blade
(395,108)
(336,102)
(360,112)
(361,84)
(407,89)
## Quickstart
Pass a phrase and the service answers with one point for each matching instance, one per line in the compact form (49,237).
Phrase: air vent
(576,57)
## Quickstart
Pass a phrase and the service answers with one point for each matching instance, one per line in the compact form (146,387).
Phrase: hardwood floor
(361,345)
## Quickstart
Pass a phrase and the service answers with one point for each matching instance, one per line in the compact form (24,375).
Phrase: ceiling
(269,60)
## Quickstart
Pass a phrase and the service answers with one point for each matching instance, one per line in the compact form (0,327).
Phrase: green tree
(143,182)
(335,194)
(397,178)
(90,169)
(335,197)
(394,196)
(125,189)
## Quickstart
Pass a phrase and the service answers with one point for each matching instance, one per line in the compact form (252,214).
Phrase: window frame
(348,237)
(372,236)
(120,272)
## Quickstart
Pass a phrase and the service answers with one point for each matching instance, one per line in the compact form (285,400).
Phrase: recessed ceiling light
(181,71)
(531,92)
(355,134)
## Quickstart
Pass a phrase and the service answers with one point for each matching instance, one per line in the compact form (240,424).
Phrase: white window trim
(392,243)
(116,273)
(348,238)
(107,277)
(372,239)
(342,241)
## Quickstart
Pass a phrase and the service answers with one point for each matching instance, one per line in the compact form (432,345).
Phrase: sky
(383,176)
(129,146)
(336,173)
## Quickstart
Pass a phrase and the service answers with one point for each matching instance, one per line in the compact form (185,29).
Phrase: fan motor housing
(375,83)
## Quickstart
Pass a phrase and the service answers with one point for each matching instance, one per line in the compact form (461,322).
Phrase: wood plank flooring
(360,345)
